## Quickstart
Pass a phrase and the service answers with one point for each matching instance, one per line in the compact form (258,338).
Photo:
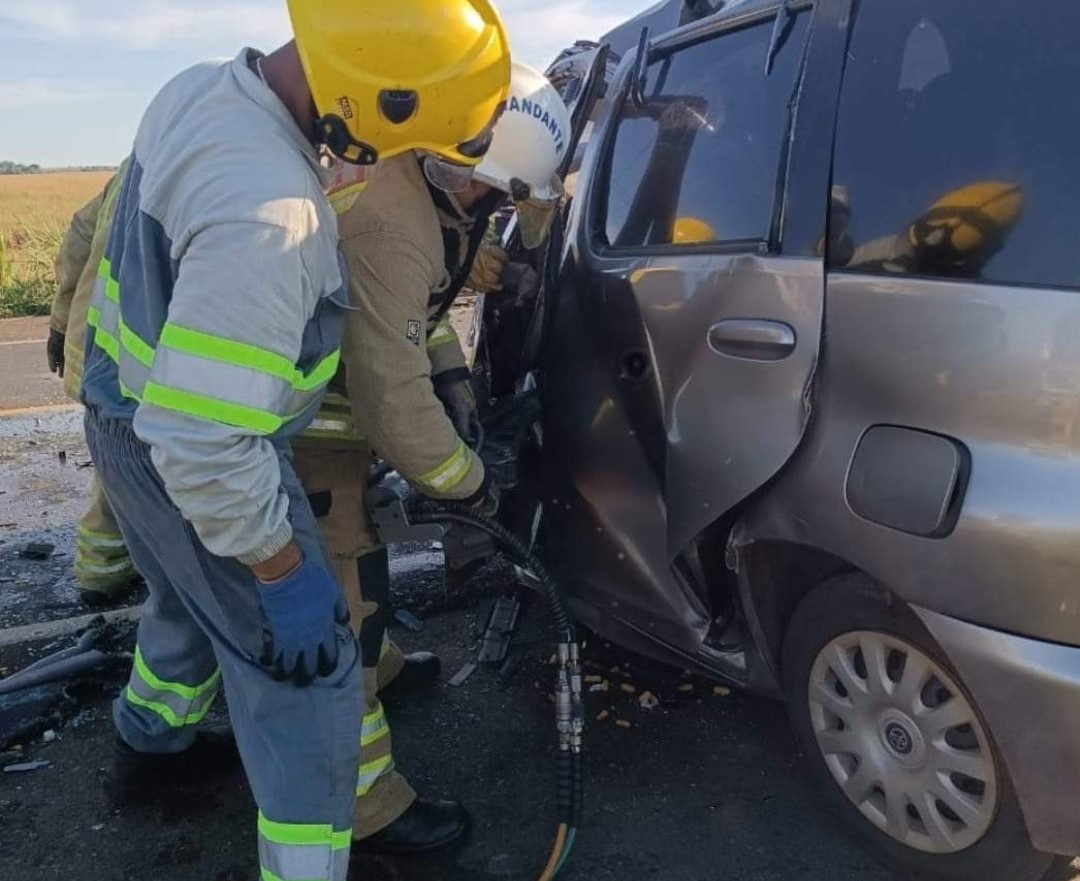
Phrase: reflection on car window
(698,162)
(957,143)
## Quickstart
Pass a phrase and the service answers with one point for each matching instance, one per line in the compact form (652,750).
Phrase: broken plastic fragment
(648,700)
(408,620)
(27,766)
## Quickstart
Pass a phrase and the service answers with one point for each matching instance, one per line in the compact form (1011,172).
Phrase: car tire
(829,631)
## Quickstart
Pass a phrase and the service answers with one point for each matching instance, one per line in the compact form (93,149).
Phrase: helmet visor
(447,176)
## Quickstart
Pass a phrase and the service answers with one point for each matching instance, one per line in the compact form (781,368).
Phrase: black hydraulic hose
(516,550)
(569,708)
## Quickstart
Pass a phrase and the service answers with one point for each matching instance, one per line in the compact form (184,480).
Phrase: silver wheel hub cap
(902,741)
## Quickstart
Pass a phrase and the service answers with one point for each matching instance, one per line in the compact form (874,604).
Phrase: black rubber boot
(420,671)
(427,826)
(137,776)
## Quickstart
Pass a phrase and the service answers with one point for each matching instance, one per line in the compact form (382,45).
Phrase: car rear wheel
(898,745)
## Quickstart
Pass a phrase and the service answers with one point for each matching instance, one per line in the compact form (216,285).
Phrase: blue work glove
(301,610)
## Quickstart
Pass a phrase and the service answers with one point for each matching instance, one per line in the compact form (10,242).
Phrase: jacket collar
(265,97)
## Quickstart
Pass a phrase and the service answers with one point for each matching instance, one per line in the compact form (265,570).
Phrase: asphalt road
(25,380)
(706,787)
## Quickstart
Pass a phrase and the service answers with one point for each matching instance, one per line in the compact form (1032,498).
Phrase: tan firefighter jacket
(76,270)
(409,250)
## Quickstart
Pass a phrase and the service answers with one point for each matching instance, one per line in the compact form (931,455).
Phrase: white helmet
(530,138)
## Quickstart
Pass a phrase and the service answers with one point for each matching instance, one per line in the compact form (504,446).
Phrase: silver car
(808,346)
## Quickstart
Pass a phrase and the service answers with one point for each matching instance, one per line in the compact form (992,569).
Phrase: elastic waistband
(114,435)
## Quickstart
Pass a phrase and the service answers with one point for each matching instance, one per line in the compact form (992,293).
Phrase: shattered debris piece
(97,827)
(687,688)
(603,685)
(628,687)
(459,678)
(648,700)
(49,736)
(721,690)
(408,620)
(622,723)
(37,550)
(592,679)
(26,766)
(602,715)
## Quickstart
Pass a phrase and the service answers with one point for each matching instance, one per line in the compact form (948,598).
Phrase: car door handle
(754,338)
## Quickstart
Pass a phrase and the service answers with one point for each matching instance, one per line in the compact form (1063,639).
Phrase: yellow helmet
(691,231)
(394,75)
(966,224)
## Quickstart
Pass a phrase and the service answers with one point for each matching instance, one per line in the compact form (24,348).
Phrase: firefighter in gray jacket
(214,328)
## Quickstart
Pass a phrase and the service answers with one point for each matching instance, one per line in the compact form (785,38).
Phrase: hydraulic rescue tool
(399,517)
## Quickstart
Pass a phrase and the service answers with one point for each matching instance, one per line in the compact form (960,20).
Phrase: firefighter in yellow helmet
(214,326)
(691,231)
(955,237)
(963,229)
(414,234)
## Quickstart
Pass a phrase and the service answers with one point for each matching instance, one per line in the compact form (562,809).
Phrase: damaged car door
(681,340)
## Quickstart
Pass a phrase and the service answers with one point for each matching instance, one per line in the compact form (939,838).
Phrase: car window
(957,142)
(698,161)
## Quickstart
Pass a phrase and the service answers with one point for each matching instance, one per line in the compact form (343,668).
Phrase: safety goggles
(447,176)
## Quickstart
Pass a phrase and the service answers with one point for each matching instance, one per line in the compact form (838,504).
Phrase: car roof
(667,15)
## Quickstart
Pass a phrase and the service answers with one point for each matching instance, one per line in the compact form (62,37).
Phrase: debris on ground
(459,678)
(648,700)
(54,689)
(408,620)
(628,687)
(37,550)
(721,690)
(26,766)
(622,723)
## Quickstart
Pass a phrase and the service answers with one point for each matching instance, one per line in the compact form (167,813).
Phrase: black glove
(54,352)
(485,502)
(454,389)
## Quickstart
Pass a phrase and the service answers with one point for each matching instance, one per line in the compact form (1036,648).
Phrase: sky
(75,75)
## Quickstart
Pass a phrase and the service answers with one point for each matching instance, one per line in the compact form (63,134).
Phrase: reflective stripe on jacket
(216,313)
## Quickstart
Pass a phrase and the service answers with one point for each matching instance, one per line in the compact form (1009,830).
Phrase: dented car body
(811,321)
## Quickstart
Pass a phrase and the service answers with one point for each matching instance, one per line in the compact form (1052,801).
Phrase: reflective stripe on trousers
(101,557)
(178,704)
(302,851)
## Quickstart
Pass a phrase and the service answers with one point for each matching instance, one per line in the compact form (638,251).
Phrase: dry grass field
(34,213)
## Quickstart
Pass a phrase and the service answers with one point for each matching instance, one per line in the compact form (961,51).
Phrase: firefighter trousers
(202,628)
(335,479)
(102,562)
